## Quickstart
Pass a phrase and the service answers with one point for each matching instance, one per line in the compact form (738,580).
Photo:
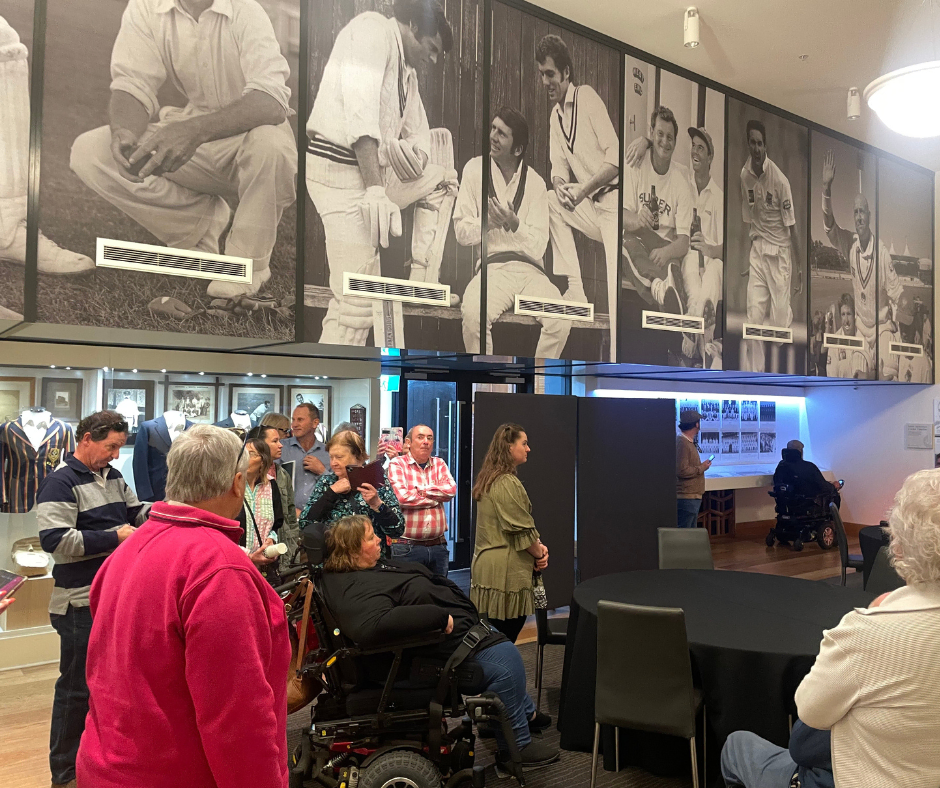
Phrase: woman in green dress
(508,547)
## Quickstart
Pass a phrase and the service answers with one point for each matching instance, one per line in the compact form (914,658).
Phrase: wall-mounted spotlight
(854,104)
(690,27)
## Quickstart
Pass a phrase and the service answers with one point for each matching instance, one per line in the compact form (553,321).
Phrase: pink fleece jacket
(187,662)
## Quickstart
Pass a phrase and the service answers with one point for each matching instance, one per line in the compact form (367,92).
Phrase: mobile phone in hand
(9,582)
(711,457)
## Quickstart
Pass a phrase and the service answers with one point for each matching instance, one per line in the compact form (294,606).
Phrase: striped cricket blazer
(23,467)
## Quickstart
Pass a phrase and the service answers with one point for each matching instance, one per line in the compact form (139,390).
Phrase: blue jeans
(504,674)
(753,762)
(688,511)
(70,703)
(436,558)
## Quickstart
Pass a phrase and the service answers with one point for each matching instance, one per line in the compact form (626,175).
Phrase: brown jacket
(690,476)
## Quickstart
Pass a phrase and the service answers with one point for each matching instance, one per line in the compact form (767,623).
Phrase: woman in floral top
(333,498)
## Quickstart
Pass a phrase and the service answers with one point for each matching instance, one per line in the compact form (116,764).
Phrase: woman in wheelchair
(376,600)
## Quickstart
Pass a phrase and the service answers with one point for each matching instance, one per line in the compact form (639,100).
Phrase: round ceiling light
(905,102)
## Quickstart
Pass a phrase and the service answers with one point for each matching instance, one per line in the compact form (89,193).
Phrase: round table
(753,637)
(871,538)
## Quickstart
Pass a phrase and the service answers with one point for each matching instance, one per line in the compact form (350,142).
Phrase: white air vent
(554,307)
(903,349)
(840,340)
(666,321)
(174,262)
(384,288)
(768,333)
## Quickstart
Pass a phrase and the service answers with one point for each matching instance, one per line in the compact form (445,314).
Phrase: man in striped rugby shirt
(85,511)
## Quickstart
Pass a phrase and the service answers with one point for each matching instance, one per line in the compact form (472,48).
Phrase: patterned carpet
(572,769)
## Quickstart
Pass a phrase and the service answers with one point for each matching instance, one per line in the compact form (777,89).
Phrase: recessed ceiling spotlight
(52,366)
(804,57)
(326,377)
(202,373)
(134,371)
(250,374)
(105,369)
(68,367)
(690,27)
(263,375)
(163,370)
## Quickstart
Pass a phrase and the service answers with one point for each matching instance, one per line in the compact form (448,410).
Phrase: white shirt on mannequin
(175,423)
(35,424)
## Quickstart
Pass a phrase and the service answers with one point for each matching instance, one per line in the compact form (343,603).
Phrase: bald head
(862,219)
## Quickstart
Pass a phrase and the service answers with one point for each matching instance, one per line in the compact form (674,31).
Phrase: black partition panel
(626,482)
(550,423)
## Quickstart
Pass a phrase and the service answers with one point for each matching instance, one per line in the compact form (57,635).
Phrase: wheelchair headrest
(313,539)
(791,455)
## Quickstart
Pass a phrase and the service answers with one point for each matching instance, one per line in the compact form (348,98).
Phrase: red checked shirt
(421,493)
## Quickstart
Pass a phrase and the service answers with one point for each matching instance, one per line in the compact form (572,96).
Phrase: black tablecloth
(870,539)
(753,637)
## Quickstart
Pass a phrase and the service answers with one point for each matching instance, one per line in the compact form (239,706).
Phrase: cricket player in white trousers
(232,139)
(871,281)
(369,148)
(516,236)
(585,156)
(14,162)
(767,206)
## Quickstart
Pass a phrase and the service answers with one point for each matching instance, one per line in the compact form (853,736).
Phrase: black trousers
(70,703)
(510,627)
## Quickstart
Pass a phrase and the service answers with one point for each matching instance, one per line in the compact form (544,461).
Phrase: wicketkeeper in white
(516,236)
(585,156)
(767,206)
(14,163)
(170,169)
(369,149)
(871,281)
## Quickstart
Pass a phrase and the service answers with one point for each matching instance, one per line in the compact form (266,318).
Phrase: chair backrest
(883,576)
(685,548)
(840,533)
(644,671)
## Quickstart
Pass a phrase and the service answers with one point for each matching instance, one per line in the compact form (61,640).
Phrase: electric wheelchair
(373,731)
(801,519)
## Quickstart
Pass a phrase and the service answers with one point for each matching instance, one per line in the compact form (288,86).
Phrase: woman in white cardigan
(876,681)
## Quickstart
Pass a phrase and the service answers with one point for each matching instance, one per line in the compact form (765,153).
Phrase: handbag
(301,688)
(538,591)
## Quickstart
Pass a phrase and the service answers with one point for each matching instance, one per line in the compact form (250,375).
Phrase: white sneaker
(52,258)
(235,289)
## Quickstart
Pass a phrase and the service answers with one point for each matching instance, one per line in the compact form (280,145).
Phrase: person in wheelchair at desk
(377,600)
(805,478)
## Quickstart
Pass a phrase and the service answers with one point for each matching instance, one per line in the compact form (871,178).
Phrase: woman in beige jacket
(508,547)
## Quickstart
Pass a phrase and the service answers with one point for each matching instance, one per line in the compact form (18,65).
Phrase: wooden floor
(26,694)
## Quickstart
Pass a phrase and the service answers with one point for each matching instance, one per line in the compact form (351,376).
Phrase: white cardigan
(876,684)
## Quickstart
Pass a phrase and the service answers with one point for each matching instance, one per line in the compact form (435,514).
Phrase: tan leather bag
(301,689)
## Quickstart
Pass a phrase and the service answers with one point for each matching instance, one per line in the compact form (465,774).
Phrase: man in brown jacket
(690,470)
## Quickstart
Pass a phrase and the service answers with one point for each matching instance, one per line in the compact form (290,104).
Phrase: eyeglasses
(285,433)
(101,432)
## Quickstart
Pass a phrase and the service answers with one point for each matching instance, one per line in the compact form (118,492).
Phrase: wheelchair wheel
(797,545)
(400,769)
(826,537)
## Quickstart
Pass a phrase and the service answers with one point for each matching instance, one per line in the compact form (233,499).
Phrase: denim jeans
(70,703)
(504,674)
(688,511)
(753,762)
(436,558)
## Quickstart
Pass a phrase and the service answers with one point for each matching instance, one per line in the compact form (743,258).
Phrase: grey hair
(201,464)
(914,527)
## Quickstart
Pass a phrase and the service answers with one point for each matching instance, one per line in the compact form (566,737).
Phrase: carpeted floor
(572,769)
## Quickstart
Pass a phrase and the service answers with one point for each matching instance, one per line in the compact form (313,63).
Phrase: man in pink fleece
(188,656)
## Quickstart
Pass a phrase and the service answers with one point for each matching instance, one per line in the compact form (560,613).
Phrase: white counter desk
(740,477)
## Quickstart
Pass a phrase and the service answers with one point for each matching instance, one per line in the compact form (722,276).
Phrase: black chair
(551,632)
(883,577)
(685,548)
(848,561)
(644,677)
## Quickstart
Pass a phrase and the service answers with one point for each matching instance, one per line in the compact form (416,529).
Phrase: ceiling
(754,46)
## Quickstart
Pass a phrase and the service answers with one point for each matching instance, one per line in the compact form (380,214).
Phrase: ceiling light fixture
(904,96)
(163,370)
(854,104)
(690,27)
(134,371)
(250,374)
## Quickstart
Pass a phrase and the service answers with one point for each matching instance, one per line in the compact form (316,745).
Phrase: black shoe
(535,755)
(539,722)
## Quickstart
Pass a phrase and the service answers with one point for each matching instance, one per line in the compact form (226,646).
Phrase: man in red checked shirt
(423,485)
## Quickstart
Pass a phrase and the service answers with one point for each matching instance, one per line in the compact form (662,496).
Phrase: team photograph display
(905,227)
(767,177)
(673,216)
(179,133)
(851,272)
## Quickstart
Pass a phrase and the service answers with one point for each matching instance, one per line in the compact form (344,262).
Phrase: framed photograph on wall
(62,397)
(197,401)
(255,400)
(321,396)
(133,399)
(16,395)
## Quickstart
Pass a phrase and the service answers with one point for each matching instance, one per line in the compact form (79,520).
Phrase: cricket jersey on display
(24,465)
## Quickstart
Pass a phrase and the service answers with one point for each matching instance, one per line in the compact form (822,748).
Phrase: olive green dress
(501,572)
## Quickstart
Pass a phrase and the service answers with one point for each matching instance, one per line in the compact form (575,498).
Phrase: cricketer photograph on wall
(673,219)
(765,247)
(171,130)
(906,229)
(396,112)
(551,244)
(850,270)
(16,38)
